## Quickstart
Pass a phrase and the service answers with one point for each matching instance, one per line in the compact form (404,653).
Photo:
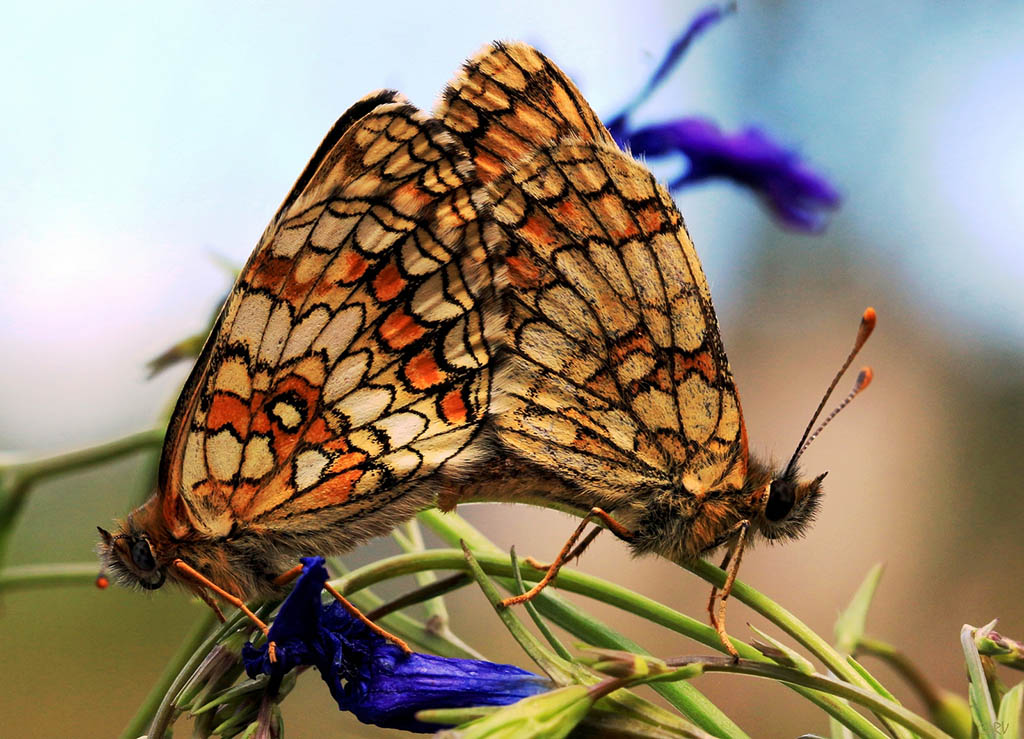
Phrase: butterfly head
(787,505)
(130,556)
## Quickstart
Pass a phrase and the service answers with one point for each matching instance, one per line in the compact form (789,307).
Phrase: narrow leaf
(1008,724)
(850,625)
(983,711)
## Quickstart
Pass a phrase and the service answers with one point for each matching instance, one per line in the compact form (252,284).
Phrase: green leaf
(555,667)
(983,711)
(553,714)
(780,653)
(850,625)
(1009,713)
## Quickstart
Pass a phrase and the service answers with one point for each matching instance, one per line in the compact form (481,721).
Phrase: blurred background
(142,143)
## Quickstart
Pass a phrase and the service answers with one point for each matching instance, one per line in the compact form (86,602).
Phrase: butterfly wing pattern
(615,378)
(352,359)
(510,100)
(618,376)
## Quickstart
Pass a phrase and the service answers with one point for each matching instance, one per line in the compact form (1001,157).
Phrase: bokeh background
(141,143)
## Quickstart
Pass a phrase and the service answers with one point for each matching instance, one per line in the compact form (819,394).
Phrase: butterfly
(617,395)
(351,361)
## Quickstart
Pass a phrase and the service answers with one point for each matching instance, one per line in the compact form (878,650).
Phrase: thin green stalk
(586,627)
(865,697)
(783,619)
(452,528)
(410,538)
(594,632)
(189,653)
(435,607)
(42,576)
(904,666)
(531,609)
(24,473)
(690,701)
(18,476)
(449,526)
(406,626)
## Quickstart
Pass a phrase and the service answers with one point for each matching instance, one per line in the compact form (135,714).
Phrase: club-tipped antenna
(867,325)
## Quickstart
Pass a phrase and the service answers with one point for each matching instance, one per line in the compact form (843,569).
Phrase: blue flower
(797,195)
(372,677)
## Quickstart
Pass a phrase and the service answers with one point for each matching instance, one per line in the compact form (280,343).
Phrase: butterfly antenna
(867,325)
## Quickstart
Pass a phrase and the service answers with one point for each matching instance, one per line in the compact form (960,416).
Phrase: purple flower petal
(797,195)
(704,20)
(372,677)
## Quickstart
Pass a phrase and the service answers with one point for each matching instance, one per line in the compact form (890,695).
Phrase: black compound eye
(142,555)
(780,500)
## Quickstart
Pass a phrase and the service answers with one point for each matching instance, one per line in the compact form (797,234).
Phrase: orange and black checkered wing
(510,100)
(352,358)
(616,378)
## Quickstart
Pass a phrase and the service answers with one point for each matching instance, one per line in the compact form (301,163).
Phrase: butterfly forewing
(351,358)
(508,101)
(619,379)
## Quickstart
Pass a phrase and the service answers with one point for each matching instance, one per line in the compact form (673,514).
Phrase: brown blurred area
(924,476)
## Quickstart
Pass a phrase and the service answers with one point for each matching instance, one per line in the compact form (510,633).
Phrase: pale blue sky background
(139,138)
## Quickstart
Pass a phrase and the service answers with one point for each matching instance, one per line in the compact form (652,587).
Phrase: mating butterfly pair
(495,292)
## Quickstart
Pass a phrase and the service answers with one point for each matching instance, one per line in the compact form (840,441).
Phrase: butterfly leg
(569,553)
(369,624)
(731,565)
(208,600)
(286,577)
(580,548)
(193,574)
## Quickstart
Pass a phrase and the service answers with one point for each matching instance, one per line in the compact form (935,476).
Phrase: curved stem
(25,473)
(18,476)
(606,592)
(904,666)
(866,698)
(159,703)
(41,576)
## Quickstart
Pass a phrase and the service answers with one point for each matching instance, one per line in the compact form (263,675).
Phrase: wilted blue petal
(795,193)
(371,677)
(297,634)
(702,22)
(798,195)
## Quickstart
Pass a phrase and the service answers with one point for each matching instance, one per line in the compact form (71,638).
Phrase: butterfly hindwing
(352,357)
(618,379)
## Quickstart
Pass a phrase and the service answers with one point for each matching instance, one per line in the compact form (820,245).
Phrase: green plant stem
(453,529)
(18,476)
(865,697)
(903,665)
(585,626)
(401,624)
(161,695)
(783,619)
(41,576)
(435,607)
(24,473)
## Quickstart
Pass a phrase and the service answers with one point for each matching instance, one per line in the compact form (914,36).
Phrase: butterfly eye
(142,555)
(780,500)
